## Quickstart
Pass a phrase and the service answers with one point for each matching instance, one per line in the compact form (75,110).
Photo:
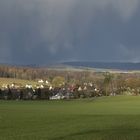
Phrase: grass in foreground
(106,118)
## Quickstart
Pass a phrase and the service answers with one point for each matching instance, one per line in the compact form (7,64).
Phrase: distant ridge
(106,65)
(125,66)
(20,65)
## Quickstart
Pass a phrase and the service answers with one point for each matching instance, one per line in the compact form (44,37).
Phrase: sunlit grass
(9,81)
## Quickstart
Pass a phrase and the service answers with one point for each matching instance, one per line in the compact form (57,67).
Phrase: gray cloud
(42,31)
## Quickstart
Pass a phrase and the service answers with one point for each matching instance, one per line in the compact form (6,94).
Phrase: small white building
(40,81)
(50,88)
(79,89)
(4,86)
(28,86)
(41,86)
(58,96)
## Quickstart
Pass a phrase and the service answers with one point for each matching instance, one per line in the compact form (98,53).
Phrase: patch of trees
(29,73)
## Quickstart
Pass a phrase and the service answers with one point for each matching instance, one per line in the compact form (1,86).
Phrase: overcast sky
(44,31)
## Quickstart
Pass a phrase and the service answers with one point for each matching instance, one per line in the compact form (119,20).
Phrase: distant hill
(126,66)
(105,65)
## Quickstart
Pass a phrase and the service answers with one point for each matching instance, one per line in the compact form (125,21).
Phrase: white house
(40,81)
(41,86)
(47,82)
(28,86)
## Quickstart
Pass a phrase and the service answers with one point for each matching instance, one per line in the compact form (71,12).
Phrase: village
(59,89)
(44,90)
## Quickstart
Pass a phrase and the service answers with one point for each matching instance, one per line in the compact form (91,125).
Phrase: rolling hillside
(105,65)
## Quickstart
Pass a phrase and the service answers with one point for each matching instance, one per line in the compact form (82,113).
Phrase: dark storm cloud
(42,31)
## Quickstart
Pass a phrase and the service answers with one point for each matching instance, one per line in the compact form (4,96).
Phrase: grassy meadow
(9,81)
(105,118)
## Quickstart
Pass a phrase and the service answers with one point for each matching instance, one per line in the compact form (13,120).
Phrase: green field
(105,118)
